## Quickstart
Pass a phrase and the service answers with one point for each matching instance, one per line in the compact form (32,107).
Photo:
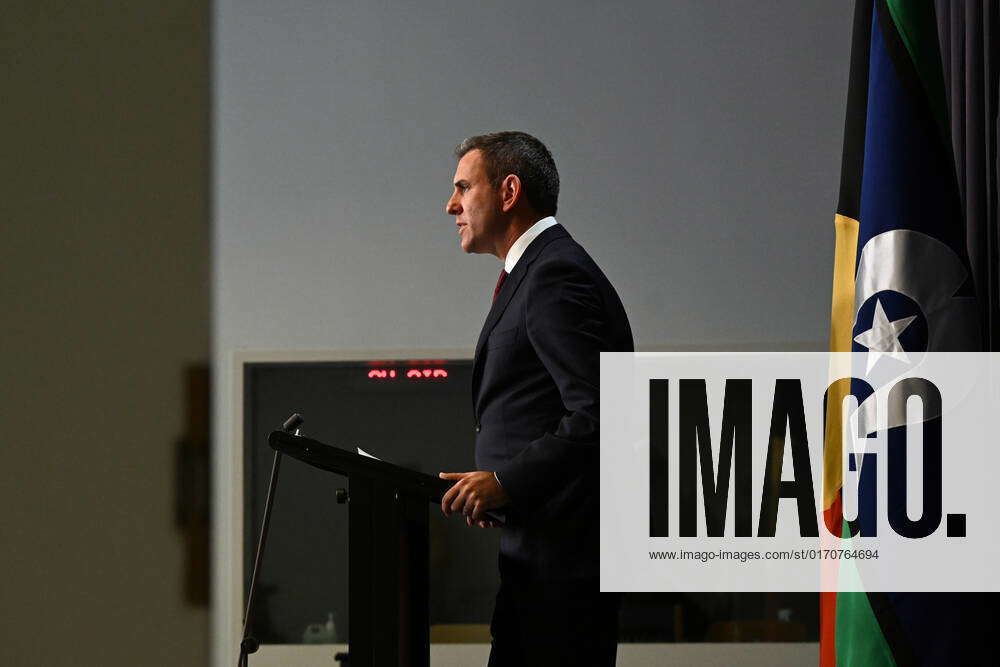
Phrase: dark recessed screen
(417,415)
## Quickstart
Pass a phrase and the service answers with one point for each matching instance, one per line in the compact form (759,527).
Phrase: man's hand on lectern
(472,494)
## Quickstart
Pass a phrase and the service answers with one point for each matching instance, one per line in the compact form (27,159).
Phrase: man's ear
(510,192)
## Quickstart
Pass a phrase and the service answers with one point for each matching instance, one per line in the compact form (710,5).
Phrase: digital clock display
(411,373)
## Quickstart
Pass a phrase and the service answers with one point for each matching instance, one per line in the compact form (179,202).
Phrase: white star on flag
(883,337)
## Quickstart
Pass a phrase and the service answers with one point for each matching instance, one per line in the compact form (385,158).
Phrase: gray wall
(104,287)
(698,142)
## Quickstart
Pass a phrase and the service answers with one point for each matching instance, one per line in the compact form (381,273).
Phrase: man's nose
(451,207)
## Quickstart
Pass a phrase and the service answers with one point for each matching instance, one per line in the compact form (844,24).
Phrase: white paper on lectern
(364,453)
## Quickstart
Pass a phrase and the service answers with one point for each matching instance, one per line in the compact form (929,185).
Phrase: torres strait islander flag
(902,284)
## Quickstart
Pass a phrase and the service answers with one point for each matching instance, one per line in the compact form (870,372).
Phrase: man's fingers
(458,504)
(471,494)
(448,498)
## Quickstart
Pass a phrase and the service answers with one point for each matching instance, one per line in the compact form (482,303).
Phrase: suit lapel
(507,292)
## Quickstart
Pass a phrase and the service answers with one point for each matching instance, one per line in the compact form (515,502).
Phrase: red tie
(503,277)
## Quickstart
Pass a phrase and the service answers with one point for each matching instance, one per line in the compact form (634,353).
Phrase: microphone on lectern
(292,424)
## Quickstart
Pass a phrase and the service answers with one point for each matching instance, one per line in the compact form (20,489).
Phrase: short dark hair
(524,156)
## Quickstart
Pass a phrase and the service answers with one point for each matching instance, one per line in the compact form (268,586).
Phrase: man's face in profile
(475,203)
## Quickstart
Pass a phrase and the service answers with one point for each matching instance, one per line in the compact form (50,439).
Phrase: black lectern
(387,556)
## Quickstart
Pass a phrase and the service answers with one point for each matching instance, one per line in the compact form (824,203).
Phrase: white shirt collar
(524,240)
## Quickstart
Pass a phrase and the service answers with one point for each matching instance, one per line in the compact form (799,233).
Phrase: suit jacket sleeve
(566,325)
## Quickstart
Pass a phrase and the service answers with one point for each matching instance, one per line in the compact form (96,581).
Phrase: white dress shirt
(524,240)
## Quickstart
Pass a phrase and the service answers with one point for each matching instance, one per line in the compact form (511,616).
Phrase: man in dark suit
(536,404)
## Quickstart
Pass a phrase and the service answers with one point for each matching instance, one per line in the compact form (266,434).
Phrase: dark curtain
(967,30)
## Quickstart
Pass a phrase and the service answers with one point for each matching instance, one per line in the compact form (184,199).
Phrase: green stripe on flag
(859,639)
(917,26)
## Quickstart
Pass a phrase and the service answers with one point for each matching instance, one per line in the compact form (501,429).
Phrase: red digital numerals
(411,374)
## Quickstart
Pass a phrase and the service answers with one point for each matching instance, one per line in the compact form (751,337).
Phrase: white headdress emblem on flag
(924,274)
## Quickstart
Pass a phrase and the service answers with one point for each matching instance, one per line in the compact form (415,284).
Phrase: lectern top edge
(350,464)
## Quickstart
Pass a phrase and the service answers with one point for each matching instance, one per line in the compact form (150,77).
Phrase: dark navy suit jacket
(536,403)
